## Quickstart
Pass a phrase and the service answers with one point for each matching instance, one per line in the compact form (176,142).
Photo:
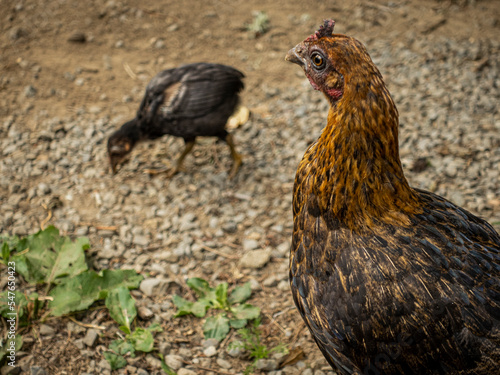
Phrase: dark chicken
(389,279)
(189,101)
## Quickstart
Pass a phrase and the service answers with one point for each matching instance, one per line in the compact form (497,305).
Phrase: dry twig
(235,257)
(129,70)
(86,325)
(47,219)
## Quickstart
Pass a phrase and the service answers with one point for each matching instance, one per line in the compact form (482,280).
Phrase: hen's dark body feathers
(189,101)
(389,279)
(421,299)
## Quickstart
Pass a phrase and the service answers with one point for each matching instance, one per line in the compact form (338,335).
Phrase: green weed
(58,264)
(235,313)
(251,342)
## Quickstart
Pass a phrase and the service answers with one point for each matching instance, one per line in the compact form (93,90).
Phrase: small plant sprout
(234,312)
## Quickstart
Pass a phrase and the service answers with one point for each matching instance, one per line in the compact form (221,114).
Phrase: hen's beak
(295,56)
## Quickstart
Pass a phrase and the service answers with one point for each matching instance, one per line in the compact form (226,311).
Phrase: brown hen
(389,279)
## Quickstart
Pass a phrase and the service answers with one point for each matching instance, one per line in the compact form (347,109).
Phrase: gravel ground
(200,224)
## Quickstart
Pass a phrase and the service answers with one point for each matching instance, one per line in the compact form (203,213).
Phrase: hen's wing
(189,91)
(398,299)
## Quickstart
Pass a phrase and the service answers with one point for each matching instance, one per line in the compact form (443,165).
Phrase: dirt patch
(127,42)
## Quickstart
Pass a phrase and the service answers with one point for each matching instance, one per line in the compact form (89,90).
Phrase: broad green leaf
(7,345)
(200,307)
(70,260)
(155,327)
(76,293)
(5,252)
(49,256)
(114,278)
(12,241)
(142,340)
(213,297)
(79,292)
(20,304)
(245,311)
(14,303)
(118,349)
(185,307)
(15,244)
(122,347)
(256,323)
(238,323)
(121,307)
(38,261)
(23,268)
(115,361)
(216,327)
(221,296)
(199,285)
(240,294)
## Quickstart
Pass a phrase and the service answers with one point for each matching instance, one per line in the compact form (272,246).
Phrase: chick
(189,101)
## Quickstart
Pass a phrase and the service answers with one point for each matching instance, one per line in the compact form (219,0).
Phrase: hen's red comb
(324,30)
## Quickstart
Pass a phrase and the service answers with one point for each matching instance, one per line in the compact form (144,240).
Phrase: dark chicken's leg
(228,138)
(237,161)
(187,150)
(178,166)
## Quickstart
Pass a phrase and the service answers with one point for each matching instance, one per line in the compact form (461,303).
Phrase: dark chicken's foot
(237,160)
(178,167)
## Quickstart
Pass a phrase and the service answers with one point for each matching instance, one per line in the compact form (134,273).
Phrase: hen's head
(121,142)
(334,63)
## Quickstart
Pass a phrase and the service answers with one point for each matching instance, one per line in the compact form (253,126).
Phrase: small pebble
(174,361)
(46,330)
(224,364)
(29,91)
(185,371)
(266,364)
(144,313)
(154,286)
(90,337)
(210,351)
(36,370)
(255,258)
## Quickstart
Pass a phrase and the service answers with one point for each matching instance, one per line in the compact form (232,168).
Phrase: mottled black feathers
(190,91)
(421,299)
(189,101)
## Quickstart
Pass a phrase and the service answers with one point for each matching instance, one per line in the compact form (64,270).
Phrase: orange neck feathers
(359,178)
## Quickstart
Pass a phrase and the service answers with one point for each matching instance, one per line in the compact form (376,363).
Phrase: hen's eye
(317,60)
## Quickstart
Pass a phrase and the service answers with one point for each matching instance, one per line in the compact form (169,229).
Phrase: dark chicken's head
(333,63)
(121,142)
